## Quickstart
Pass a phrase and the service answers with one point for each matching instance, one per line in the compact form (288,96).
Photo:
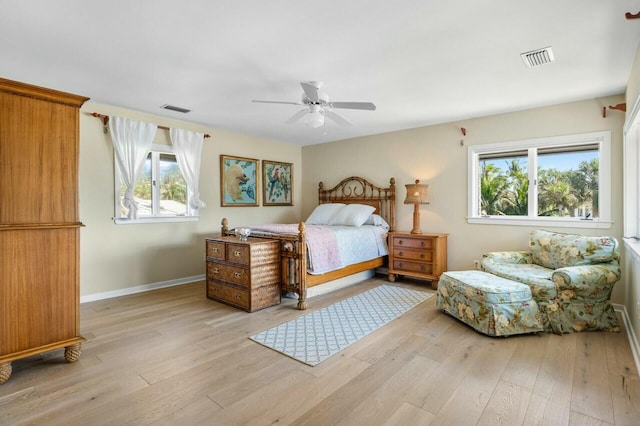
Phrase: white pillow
(376,220)
(352,215)
(322,213)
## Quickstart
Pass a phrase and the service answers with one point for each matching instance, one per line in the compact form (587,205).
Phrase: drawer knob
(422,267)
(422,243)
(400,242)
(237,274)
(401,265)
(215,249)
(401,254)
(215,270)
(421,255)
(237,253)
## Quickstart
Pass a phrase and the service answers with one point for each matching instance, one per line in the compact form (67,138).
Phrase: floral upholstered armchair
(571,278)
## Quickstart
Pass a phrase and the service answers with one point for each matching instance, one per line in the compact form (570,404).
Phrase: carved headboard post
(392,204)
(320,191)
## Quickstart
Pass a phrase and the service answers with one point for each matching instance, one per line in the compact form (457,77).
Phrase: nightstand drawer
(238,253)
(255,277)
(231,295)
(215,249)
(410,266)
(419,255)
(229,273)
(423,243)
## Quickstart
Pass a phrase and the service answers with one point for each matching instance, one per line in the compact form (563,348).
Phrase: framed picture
(238,181)
(277,183)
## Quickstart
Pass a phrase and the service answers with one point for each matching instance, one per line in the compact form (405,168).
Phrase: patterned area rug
(314,337)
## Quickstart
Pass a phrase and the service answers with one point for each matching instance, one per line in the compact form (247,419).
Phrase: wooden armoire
(39,223)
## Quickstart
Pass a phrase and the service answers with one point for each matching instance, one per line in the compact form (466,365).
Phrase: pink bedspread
(322,245)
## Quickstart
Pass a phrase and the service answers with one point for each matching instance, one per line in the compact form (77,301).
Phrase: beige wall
(115,257)
(633,86)
(435,156)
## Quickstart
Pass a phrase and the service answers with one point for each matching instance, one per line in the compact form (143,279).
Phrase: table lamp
(416,195)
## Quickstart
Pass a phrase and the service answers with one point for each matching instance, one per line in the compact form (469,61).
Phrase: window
(161,192)
(632,176)
(558,181)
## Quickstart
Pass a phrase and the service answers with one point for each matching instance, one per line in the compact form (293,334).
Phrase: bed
(294,239)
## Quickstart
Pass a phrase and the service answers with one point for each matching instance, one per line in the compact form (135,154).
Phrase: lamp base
(416,220)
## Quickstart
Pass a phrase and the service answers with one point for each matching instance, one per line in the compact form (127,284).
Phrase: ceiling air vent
(537,57)
(175,108)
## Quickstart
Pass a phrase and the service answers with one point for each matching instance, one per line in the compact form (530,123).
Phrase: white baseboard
(140,288)
(339,283)
(631,335)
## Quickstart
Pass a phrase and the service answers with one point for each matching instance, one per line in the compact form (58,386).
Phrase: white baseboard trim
(631,335)
(140,288)
(340,283)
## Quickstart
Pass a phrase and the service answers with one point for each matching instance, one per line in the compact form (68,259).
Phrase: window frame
(603,139)
(156,150)
(631,180)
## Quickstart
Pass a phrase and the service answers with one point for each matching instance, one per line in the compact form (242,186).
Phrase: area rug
(314,337)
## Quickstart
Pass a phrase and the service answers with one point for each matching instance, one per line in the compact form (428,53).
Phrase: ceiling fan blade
(275,102)
(337,118)
(353,105)
(311,90)
(297,116)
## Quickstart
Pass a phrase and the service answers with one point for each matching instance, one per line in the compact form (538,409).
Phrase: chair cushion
(555,250)
(537,277)
(487,288)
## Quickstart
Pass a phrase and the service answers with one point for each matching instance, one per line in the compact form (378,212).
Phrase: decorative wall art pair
(240,186)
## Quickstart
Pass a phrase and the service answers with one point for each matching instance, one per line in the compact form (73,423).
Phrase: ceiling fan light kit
(317,106)
(315,117)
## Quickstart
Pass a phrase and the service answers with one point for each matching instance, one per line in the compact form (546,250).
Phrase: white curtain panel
(188,149)
(132,141)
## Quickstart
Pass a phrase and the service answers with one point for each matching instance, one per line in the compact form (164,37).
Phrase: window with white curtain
(555,181)
(161,192)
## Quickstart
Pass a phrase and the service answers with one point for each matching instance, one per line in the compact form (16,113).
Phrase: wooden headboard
(357,190)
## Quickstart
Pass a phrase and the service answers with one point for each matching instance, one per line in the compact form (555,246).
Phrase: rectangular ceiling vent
(175,108)
(537,57)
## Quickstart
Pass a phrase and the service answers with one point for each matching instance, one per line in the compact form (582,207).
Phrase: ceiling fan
(318,106)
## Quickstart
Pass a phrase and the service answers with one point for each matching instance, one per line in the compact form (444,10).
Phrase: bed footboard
(293,258)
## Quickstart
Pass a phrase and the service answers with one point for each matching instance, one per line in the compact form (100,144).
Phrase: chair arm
(585,276)
(507,257)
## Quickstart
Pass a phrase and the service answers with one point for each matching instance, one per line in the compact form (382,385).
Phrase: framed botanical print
(277,183)
(238,181)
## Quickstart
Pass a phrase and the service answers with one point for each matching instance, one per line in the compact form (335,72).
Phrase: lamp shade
(416,193)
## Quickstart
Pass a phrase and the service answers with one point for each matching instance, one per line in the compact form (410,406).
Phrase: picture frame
(239,181)
(277,183)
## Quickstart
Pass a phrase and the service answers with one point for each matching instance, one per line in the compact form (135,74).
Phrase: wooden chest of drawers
(243,274)
(417,255)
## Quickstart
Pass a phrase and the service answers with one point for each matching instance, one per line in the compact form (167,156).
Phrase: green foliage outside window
(504,191)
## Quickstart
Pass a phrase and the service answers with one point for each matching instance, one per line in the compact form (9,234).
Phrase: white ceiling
(421,62)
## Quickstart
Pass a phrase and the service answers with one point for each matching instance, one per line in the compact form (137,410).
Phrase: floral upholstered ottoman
(492,305)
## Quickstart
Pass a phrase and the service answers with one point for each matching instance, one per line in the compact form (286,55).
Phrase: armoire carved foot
(72,353)
(5,372)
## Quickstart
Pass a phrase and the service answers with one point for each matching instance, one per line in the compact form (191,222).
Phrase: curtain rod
(105,120)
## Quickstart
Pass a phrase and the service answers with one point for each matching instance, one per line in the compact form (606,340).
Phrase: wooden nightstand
(243,274)
(417,255)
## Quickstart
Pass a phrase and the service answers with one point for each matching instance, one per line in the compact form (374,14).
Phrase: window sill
(551,222)
(633,246)
(125,221)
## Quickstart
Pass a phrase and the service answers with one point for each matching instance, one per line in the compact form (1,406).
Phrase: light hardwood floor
(172,357)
